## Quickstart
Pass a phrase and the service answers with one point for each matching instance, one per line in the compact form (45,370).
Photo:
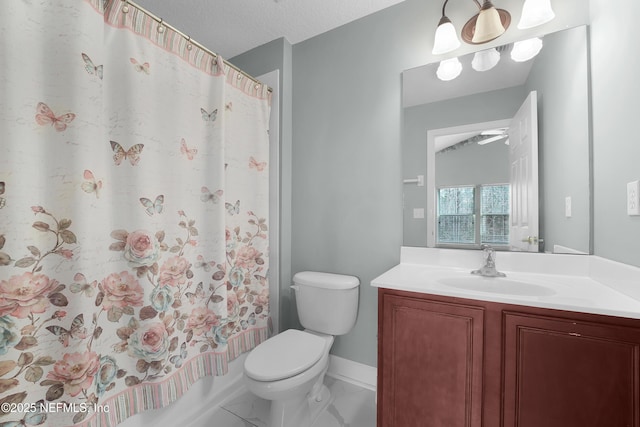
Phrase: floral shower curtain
(133,213)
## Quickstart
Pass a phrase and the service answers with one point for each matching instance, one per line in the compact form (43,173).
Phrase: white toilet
(288,369)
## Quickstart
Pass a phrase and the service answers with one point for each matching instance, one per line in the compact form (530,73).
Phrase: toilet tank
(326,302)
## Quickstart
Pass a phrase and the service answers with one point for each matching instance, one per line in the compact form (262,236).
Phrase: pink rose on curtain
(262,298)
(232,302)
(141,248)
(121,290)
(246,257)
(202,320)
(25,294)
(174,271)
(149,342)
(75,371)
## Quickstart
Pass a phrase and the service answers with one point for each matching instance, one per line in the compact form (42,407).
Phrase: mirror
(435,108)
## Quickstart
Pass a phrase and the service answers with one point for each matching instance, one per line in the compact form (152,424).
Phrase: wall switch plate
(418,213)
(567,206)
(633,198)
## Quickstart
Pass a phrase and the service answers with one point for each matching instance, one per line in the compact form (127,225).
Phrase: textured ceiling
(231,27)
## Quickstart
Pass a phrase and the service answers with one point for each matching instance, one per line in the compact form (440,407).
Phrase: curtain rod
(193,42)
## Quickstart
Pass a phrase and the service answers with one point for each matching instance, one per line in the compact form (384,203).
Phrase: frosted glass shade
(534,13)
(446,39)
(485,59)
(525,50)
(488,25)
(449,69)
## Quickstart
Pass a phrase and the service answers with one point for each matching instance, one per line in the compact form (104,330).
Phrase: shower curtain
(133,213)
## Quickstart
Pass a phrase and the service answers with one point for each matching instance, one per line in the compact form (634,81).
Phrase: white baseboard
(353,372)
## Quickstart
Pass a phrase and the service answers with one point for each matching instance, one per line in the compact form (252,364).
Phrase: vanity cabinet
(445,361)
(433,359)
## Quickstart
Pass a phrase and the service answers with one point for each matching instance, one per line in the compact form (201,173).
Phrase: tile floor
(352,406)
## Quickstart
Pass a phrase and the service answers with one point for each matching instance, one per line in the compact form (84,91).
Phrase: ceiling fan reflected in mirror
(493,135)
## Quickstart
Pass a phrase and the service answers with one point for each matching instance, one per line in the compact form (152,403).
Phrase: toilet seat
(285,355)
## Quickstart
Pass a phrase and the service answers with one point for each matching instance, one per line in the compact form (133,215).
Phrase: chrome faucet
(489,267)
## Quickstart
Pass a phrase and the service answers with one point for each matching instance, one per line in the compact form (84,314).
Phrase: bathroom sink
(496,285)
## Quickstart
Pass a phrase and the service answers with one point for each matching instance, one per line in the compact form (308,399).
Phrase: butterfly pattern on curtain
(133,214)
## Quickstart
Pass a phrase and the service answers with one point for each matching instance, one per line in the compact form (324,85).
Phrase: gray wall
(346,198)
(616,150)
(346,158)
(473,164)
(563,140)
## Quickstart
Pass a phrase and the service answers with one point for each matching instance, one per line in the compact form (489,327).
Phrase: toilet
(288,369)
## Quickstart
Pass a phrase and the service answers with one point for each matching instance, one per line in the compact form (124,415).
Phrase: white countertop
(429,270)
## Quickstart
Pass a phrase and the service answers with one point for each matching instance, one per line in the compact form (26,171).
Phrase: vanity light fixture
(446,39)
(488,24)
(449,69)
(534,13)
(485,60)
(526,49)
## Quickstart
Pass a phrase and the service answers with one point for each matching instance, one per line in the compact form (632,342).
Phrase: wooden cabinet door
(564,373)
(430,363)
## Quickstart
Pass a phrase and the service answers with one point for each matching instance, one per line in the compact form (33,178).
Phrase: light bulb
(449,69)
(485,59)
(446,39)
(534,13)
(525,50)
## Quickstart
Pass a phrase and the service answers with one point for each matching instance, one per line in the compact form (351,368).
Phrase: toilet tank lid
(325,280)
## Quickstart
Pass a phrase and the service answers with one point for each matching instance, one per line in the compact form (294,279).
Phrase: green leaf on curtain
(131,381)
(80,416)
(114,314)
(41,226)
(6,385)
(5,259)
(124,333)
(64,224)
(25,358)
(174,344)
(14,398)
(55,392)
(117,246)
(99,298)
(147,312)
(97,332)
(68,236)
(44,361)
(25,262)
(33,374)
(6,366)
(26,342)
(142,366)
(58,299)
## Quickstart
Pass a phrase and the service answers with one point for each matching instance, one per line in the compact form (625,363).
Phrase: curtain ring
(160,27)
(125,8)
(189,45)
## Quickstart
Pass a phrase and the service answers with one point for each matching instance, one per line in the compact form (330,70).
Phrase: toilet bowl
(288,369)
(289,372)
